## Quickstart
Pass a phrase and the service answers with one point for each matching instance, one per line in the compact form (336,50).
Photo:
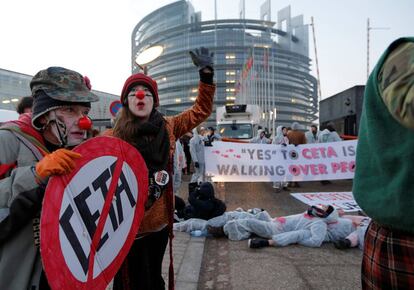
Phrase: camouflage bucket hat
(63,84)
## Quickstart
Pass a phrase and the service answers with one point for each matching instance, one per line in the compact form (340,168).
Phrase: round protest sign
(90,217)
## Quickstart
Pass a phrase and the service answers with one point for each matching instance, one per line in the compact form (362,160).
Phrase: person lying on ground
(308,229)
(312,228)
(338,227)
(218,222)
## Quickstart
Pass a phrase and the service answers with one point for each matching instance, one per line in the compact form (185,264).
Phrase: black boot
(257,243)
(216,232)
(342,244)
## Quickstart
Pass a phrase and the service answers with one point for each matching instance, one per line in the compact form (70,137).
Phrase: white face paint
(67,119)
(140,108)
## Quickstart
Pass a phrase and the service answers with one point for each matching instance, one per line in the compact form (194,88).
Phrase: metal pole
(272,93)
(316,60)
(369,28)
(274,122)
(215,24)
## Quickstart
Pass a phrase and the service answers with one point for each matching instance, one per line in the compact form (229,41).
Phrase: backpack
(219,208)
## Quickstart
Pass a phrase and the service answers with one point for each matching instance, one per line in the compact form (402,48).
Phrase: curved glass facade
(255,62)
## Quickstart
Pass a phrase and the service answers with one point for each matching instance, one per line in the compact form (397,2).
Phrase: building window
(298,118)
(230,73)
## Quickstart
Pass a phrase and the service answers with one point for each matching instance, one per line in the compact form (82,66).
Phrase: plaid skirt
(388,261)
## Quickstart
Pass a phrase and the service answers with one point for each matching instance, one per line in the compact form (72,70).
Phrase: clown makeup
(141,108)
(62,125)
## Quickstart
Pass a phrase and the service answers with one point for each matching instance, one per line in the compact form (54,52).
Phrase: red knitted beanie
(140,79)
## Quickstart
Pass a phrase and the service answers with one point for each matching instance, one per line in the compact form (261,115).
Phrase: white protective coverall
(197,155)
(219,221)
(179,164)
(300,229)
(327,136)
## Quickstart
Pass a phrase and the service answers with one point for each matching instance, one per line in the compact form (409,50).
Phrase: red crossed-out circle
(59,274)
(114,107)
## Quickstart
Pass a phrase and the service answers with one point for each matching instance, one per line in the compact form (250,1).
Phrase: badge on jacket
(161,177)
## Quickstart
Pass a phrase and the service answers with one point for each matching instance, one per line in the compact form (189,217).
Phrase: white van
(238,121)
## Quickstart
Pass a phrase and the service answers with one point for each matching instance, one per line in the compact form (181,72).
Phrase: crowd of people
(382,187)
(55,119)
(190,154)
(294,136)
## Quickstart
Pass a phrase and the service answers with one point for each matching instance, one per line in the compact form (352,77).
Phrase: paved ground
(222,264)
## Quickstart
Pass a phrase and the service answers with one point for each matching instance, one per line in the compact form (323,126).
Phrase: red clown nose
(85,123)
(140,94)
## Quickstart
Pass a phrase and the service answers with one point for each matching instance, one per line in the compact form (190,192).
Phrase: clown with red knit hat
(143,126)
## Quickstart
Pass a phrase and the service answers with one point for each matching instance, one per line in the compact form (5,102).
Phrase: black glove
(202,58)
(196,165)
(204,61)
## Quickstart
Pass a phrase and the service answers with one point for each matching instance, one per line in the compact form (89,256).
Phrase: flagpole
(263,80)
(273,62)
(266,95)
(252,84)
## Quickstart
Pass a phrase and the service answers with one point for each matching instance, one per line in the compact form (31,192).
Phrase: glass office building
(14,86)
(256,61)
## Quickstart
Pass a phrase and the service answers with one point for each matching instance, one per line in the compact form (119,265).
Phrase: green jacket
(384,176)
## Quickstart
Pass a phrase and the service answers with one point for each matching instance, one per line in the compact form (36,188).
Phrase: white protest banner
(245,162)
(343,200)
(90,217)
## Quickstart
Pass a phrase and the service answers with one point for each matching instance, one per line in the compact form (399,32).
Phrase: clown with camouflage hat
(34,148)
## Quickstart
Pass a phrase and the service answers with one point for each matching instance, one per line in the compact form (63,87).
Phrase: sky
(93,37)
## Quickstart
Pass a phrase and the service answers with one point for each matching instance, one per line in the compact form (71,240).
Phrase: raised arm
(203,105)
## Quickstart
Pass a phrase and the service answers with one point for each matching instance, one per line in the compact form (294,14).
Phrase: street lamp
(148,55)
